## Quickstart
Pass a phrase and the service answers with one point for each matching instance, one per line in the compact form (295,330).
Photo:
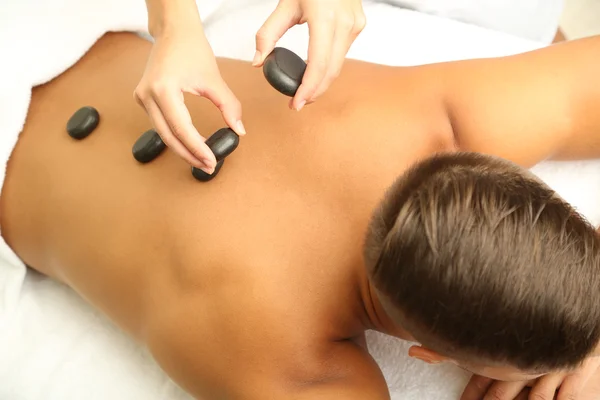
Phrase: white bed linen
(52,345)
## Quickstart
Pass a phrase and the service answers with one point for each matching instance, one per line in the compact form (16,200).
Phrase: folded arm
(528,107)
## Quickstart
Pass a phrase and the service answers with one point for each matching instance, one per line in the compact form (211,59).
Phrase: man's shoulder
(345,367)
(337,370)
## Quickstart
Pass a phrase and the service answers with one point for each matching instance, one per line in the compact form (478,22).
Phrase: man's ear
(426,355)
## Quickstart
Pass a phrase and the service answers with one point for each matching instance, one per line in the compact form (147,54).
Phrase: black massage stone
(83,122)
(284,70)
(222,143)
(148,146)
(203,176)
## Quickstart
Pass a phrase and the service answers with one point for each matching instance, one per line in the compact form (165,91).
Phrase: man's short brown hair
(485,261)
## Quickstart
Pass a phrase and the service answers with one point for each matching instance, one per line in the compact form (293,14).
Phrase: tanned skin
(253,286)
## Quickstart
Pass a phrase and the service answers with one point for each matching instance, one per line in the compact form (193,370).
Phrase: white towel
(55,347)
(528,19)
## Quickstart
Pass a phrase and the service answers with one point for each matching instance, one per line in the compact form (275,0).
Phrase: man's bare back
(252,285)
(253,279)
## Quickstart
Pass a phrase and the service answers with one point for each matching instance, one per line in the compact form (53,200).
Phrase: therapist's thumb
(283,18)
(229,105)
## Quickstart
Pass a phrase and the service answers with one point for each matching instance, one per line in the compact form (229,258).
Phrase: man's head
(484,264)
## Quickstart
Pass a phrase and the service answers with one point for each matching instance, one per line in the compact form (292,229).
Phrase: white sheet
(528,19)
(52,345)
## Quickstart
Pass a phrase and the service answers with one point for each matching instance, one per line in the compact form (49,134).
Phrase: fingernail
(207,163)
(200,163)
(256,60)
(240,128)
(208,170)
(300,105)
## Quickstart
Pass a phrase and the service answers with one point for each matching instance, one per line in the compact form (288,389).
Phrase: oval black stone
(284,70)
(223,142)
(83,122)
(203,176)
(148,146)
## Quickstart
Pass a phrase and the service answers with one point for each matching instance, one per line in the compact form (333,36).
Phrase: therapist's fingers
(162,128)
(179,121)
(319,52)
(286,15)
(221,96)
(346,31)
(174,125)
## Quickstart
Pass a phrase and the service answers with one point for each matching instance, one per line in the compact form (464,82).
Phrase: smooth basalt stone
(148,146)
(284,70)
(223,142)
(203,176)
(83,122)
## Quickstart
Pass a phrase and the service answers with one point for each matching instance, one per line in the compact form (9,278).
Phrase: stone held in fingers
(284,70)
(83,122)
(148,146)
(223,142)
(203,176)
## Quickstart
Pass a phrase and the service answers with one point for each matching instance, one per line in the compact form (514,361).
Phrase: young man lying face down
(257,285)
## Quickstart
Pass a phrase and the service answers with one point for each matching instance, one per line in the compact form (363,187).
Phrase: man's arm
(527,107)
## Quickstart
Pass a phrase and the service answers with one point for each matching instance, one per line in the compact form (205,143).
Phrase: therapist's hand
(333,26)
(181,61)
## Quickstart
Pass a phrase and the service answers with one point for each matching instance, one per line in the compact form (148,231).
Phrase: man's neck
(376,317)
